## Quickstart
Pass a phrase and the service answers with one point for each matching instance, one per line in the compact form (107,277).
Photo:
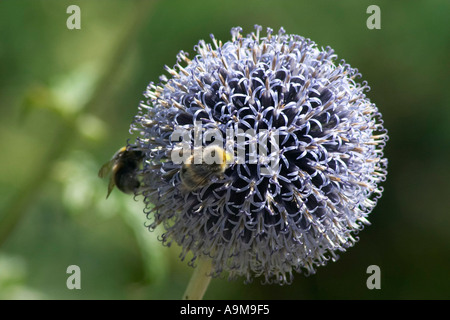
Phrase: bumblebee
(214,160)
(123,168)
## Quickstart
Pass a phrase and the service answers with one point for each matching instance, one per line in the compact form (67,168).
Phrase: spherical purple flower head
(261,219)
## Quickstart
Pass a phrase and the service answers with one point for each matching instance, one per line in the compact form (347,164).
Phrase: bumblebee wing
(105,169)
(108,166)
(110,186)
(204,181)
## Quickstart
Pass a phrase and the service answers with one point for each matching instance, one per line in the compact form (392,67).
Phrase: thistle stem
(199,281)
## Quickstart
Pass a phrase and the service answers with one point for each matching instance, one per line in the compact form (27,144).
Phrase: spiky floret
(262,219)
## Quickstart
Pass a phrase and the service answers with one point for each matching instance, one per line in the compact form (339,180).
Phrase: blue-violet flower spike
(307,114)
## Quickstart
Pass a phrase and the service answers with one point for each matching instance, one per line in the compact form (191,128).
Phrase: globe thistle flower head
(306,148)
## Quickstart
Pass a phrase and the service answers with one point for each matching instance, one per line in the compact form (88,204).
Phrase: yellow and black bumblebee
(123,167)
(214,160)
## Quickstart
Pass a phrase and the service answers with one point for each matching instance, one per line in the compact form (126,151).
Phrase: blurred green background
(67,98)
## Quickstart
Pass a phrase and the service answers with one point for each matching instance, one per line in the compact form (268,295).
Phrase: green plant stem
(199,281)
(66,134)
